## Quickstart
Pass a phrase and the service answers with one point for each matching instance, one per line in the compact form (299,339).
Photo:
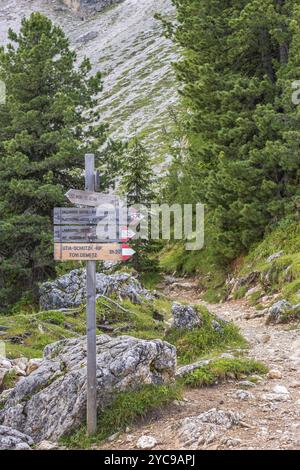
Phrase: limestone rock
(51,401)
(146,442)
(278,311)
(11,439)
(20,364)
(69,290)
(275,256)
(185,317)
(206,427)
(274,374)
(243,395)
(33,364)
(185,370)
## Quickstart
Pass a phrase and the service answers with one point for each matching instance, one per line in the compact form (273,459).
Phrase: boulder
(69,291)
(185,317)
(206,427)
(51,401)
(11,439)
(277,312)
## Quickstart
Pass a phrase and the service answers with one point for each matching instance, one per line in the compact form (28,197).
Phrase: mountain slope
(125,43)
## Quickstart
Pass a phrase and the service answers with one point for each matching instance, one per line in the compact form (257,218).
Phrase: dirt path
(269,420)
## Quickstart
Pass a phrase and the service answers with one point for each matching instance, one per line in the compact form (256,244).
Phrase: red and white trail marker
(127,252)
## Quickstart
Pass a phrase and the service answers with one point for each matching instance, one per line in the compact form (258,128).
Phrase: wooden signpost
(77,238)
(90,198)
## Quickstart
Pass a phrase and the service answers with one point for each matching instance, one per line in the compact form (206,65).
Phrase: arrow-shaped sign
(90,198)
(127,252)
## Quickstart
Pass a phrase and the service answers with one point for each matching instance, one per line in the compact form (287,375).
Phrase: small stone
(21,363)
(146,442)
(243,395)
(275,256)
(113,437)
(281,389)
(274,374)
(33,365)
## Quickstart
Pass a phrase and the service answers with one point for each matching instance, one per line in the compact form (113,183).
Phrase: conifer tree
(239,62)
(137,186)
(45,129)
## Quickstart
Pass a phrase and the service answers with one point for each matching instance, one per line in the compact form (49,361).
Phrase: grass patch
(194,344)
(126,409)
(221,369)
(9,380)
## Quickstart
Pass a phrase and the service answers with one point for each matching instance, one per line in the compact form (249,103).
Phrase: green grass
(199,342)
(221,369)
(282,275)
(9,380)
(126,409)
(27,334)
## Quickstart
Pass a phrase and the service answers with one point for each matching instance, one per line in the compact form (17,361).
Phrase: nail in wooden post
(91,317)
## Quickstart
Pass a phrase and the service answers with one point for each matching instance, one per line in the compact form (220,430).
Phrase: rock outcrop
(185,317)
(51,401)
(89,6)
(11,439)
(69,290)
(206,427)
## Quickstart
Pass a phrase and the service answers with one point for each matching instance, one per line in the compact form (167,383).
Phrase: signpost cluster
(76,238)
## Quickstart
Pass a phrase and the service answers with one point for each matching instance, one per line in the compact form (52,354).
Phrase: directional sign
(92,252)
(75,216)
(90,198)
(99,233)
(81,233)
(64,215)
(127,252)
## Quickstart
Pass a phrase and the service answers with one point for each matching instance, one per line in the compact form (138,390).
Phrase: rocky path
(265,415)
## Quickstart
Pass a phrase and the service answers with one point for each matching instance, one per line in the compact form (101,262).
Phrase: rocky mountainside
(125,43)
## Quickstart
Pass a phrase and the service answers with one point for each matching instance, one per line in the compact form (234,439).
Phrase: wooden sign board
(65,215)
(90,198)
(82,233)
(88,252)
(88,216)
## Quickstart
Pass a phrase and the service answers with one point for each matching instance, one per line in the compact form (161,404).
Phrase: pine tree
(239,62)
(137,186)
(45,129)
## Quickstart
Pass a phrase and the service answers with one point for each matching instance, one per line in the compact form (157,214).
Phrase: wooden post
(91,317)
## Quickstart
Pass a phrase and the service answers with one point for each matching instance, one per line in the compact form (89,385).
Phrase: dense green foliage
(240,59)
(46,126)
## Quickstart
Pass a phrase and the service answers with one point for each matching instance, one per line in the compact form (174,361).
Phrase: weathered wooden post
(91,317)
(76,239)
